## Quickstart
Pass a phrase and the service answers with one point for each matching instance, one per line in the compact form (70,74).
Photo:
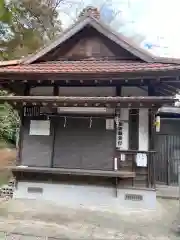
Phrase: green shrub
(9,121)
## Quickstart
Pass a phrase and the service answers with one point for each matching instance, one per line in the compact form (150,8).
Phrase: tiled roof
(90,67)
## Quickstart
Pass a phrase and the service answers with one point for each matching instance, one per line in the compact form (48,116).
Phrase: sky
(156,20)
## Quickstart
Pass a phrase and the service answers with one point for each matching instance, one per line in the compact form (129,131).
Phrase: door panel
(85,144)
(36,150)
(167,158)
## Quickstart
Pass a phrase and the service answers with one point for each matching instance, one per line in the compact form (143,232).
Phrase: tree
(5,18)
(25,25)
(31,24)
(9,121)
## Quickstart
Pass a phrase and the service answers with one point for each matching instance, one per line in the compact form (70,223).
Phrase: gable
(87,44)
(89,47)
(90,38)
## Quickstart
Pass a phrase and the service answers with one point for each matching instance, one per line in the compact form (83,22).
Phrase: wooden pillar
(27,90)
(151,92)
(151,158)
(118,93)
(55,90)
(118,132)
(21,125)
(134,129)
(124,114)
(53,125)
(118,90)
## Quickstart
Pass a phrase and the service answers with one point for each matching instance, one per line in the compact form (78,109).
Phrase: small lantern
(158,123)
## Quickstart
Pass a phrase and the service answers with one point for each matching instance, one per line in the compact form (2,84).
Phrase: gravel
(32,220)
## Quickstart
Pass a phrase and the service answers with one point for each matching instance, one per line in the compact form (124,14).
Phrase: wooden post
(151,167)
(53,126)
(179,187)
(177,228)
(21,116)
(118,93)
(19,144)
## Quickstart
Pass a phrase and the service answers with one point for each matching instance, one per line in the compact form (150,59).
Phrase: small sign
(141,159)
(39,127)
(123,157)
(109,124)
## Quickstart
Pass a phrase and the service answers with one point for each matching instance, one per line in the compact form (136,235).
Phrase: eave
(56,101)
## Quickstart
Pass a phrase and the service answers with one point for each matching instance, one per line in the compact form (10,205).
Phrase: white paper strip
(141,160)
(110,124)
(123,157)
(39,127)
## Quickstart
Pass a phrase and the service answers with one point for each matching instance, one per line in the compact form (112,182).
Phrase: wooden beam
(78,172)
(145,76)
(130,102)
(62,99)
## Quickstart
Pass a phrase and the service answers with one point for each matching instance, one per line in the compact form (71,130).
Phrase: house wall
(31,145)
(82,143)
(77,139)
(78,143)
(78,195)
(41,91)
(87,91)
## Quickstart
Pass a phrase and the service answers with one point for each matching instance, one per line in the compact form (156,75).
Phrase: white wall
(143,129)
(41,91)
(132,91)
(125,128)
(87,91)
(70,195)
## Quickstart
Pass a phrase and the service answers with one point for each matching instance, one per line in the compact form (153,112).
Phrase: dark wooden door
(83,143)
(167,158)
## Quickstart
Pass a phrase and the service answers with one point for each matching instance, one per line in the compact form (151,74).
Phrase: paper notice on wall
(109,124)
(141,160)
(123,157)
(39,127)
